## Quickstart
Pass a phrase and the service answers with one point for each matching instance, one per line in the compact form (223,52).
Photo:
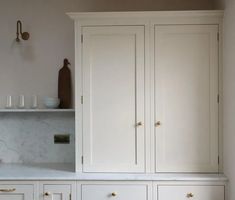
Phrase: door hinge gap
(218,98)
(70,197)
(82,159)
(218,159)
(218,36)
(81,99)
(81,38)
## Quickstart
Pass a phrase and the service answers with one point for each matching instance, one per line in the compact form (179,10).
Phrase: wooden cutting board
(64,86)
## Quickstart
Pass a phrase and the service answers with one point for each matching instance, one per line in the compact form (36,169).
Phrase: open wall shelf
(35,110)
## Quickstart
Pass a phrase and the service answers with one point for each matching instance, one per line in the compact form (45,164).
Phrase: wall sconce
(19,32)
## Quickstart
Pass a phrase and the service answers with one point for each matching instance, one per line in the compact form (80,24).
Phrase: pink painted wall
(31,68)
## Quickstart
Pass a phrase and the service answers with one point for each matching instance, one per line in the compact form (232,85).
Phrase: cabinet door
(118,192)
(186,91)
(113,93)
(191,192)
(56,191)
(16,192)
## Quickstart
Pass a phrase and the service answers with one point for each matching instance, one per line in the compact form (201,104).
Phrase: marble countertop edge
(17,172)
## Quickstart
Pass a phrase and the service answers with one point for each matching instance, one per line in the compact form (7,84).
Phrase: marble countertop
(66,172)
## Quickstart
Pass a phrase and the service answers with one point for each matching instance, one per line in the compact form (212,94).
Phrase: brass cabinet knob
(113,194)
(190,195)
(158,123)
(140,124)
(47,194)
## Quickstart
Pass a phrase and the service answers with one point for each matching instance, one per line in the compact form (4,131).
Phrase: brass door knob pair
(157,124)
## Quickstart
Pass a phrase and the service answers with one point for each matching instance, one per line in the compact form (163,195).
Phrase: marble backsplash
(29,137)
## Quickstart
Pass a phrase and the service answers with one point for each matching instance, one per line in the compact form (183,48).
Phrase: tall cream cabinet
(147,91)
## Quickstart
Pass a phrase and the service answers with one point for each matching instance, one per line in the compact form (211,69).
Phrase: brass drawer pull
(190,195)
(8,190)
(113,194)
(47,194)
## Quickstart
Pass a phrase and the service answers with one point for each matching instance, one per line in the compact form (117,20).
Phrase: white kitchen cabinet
(194,192)
(186,98)
(57,191)
(147,91)
(113,99)
(111,190)
(16,192)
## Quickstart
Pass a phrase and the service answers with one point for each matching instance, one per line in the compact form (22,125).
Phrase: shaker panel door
(56,191)
(186,91)
(113,99)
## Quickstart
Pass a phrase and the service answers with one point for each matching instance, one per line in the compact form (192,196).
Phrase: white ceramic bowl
(51,102)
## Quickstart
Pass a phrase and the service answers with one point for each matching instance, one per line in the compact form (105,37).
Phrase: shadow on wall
(144,5)
(219,4)
(24,49)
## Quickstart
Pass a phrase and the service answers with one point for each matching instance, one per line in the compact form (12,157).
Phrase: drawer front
(57,192)
(179,192)
(16,192)
(115,192)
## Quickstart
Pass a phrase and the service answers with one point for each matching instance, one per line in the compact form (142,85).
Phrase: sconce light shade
(19,32)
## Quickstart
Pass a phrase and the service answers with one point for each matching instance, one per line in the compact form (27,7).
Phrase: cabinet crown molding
(145,14)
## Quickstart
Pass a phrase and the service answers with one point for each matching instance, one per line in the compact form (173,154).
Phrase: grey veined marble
(29,137)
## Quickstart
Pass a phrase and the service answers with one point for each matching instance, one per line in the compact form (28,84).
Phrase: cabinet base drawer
(191,192)
(111,191)
(16,192)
